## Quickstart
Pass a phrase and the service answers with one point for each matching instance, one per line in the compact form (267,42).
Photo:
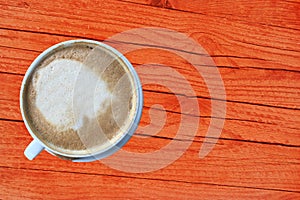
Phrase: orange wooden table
(256,47)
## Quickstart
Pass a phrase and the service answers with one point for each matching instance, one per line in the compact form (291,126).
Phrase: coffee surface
(80,99)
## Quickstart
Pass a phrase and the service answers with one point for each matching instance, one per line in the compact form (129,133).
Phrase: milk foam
(54,86)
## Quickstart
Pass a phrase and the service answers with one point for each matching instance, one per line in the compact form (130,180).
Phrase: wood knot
(24,4)
(161,3)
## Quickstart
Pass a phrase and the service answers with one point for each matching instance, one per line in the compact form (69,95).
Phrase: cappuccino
(80,99)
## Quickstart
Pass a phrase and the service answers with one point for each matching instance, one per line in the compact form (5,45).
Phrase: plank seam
(198,141)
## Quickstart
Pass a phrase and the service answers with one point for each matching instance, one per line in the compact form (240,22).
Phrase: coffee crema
(80,99)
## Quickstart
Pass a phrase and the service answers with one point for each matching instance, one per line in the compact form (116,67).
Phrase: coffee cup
(80,100)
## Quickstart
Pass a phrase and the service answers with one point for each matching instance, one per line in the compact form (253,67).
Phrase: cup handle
(33,149)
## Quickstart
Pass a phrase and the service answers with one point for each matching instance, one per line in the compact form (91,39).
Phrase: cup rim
(110,149)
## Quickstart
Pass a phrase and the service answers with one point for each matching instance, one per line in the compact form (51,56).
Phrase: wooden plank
(220,37)
(10,109)
(16,61)
(34,184)
(243,85)
(231,163)
(243,121)
(260,12)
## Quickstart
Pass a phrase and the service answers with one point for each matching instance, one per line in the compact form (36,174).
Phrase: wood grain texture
(218,36)
(255,45)
(270,13)
(260,166)
(104,187)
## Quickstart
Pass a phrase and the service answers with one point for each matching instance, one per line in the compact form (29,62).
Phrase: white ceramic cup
(36,146)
